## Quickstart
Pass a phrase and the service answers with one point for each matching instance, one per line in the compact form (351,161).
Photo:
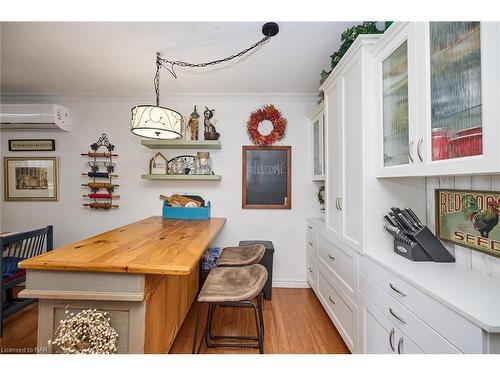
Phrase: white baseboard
(283,283)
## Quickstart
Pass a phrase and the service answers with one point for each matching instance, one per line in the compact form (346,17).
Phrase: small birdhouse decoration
(158,164)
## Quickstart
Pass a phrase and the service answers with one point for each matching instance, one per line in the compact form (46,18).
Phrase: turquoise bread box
(197,213)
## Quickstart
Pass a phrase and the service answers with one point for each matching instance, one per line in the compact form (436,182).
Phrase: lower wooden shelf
(212,177)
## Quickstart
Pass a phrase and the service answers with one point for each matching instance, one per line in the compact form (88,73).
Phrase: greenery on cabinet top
(347,38)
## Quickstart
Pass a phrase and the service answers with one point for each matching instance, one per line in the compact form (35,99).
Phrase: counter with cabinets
(381,302)
(145,274)
(419,100)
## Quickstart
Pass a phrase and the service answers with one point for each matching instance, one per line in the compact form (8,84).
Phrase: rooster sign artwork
(469,218)
(483,221)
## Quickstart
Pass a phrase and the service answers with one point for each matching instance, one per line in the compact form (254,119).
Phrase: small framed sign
(469,218)
(32,144)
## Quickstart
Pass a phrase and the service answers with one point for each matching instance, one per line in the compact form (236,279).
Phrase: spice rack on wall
(182,145)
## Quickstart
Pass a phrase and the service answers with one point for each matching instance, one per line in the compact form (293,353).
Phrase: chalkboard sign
(267,173)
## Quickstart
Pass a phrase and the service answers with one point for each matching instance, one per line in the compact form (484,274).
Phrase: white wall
(92,116)
(476,260)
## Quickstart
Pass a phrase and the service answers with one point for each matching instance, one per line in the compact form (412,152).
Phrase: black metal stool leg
(214,306)
(260,300)
(257,338)
(259,329)
(207,333)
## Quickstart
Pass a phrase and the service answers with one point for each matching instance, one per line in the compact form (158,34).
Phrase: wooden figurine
(193,124)
(210,132)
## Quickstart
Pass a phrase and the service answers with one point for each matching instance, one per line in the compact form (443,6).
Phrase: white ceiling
(119,58)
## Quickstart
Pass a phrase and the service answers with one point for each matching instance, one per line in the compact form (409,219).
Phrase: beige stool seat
(241,255)
(233,284)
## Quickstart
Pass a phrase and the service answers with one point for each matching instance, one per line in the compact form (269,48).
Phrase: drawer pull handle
(310,243)
(397,290)
(400,346)
(310,270)
(391,339)
(332,258)
(310,227)
(397,316)
(331,300)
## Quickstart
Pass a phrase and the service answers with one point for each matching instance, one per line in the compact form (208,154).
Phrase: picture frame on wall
(32,145)
(469,218)
(30,178)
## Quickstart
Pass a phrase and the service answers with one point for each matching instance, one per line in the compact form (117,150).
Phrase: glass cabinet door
(395,107)
(455,80)
(318,147)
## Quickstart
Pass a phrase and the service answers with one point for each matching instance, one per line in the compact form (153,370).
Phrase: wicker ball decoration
(270,113)
(88,332)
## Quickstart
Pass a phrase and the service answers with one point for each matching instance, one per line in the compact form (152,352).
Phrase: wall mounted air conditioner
(34,117)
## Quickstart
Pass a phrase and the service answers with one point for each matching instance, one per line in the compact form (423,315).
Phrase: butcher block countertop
(150,246)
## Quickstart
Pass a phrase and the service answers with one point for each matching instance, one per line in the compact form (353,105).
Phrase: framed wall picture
(469,218)
(30,178)
(267,177)
(32,144)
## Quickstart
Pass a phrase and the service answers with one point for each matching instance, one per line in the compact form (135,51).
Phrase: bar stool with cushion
(238,256)
(237,287)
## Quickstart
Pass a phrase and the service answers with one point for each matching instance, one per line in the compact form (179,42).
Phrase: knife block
(427,248)
(414,253)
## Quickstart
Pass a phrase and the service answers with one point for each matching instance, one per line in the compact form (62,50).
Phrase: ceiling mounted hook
(270,29)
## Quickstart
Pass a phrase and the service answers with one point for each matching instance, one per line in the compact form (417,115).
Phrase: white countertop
(471,294)
(468,292)
(318,221)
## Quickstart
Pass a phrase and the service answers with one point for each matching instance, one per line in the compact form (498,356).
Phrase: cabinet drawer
(312,273)
(340,309)
(462,333)
(423,335)
(338,262)
(311,239)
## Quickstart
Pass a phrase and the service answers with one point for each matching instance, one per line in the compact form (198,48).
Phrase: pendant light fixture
(153,121)
(156,122)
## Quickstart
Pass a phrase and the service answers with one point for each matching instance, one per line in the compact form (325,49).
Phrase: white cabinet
(437,88)
(344,106)
(381,336)
(318,144)
(355,201)
(332,274)
(395,75)
(425,320)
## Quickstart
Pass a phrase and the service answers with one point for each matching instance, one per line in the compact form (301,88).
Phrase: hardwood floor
(19,331)
(295,323)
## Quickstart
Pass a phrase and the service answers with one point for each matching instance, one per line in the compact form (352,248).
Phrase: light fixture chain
(156,79)
(172,63)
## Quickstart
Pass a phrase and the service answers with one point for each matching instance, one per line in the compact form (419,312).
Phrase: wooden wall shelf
(181,177)
(181,145)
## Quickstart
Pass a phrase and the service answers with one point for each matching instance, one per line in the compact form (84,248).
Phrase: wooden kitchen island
(145,274)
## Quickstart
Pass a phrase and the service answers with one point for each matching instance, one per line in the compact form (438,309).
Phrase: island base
(147,310)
